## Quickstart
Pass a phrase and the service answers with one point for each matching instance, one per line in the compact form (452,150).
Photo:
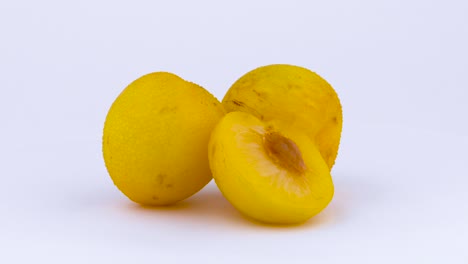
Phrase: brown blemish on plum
(261,95)
(250,109)
(154,197)
(168,109)
(161,178)
(238,103)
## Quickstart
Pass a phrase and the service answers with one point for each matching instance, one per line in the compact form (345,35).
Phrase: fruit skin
(156,136)
(295,95)
(256,185)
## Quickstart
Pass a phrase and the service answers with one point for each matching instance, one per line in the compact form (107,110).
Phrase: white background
(400,68)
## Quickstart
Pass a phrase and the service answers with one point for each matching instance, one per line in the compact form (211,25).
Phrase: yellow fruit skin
(295,95)
(252,182)
(156,136)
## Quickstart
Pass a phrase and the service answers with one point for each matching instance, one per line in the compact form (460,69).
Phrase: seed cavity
(284,152)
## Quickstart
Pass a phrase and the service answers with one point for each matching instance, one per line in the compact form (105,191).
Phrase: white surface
(401,177)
